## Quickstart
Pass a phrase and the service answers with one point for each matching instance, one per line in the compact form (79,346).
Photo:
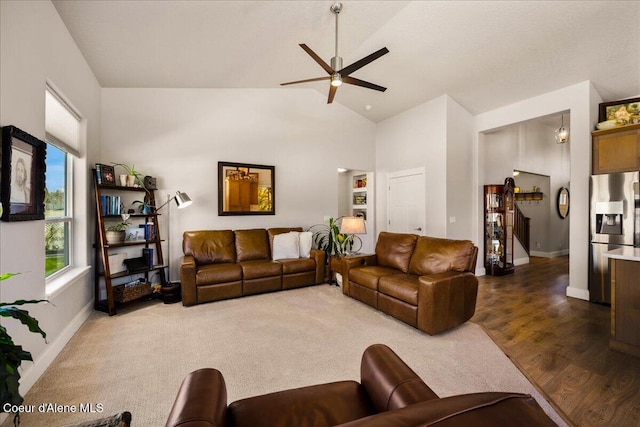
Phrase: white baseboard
(554,254)
(30,376)
(521,261)
(582,294)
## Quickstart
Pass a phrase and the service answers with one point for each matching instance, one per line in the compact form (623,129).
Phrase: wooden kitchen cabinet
(616,150)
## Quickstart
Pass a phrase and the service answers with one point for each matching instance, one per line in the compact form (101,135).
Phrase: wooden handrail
(521,228)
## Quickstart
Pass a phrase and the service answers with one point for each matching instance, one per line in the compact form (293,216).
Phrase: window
(62,137)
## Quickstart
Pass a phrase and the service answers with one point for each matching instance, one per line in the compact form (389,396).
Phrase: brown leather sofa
(426,282)
(389,394)
(221,264)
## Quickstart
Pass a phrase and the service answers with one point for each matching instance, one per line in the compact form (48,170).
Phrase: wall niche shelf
(527,197)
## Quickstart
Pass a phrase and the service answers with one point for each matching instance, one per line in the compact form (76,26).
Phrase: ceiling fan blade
(306,80)
(332,93)
(358,82)
(319,60)
(364,61)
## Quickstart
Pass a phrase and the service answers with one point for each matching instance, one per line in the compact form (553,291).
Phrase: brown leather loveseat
(221,264)
(389,394)
(426,282)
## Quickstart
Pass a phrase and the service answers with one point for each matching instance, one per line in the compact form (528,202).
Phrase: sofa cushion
(300,265)
(285,246)
(321,405)
(209,247)
(218,273)
(434,255)
(394,250)
(272,232)
(258,269)
(252,244)
(368,276)
(400,286)
(305,242)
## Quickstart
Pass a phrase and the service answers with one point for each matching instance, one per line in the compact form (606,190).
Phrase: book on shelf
(149,231)
(147,255)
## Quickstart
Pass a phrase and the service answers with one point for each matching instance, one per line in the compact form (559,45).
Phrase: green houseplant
(116,233)
(11,354)
(134,177)
(327,237)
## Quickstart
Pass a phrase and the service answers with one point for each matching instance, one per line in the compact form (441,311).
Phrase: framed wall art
(22,175)
(245,189)
(625,111)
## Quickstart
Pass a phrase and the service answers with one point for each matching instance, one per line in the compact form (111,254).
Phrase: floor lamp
(171,292)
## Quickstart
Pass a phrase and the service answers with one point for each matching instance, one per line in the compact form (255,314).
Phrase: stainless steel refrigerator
(614,222)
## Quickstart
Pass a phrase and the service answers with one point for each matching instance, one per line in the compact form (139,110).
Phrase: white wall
(35,47)
(582,101)
(179,136)
(412,139)
(460,172)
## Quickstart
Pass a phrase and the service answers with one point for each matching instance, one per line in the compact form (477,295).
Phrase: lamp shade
(182,200)
(352,225)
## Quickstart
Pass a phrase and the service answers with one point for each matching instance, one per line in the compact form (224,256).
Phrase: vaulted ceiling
(484,54)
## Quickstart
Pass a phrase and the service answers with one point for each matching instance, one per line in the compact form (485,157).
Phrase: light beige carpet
(135,361)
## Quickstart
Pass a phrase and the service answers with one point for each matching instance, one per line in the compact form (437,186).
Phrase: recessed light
(342,170)
(368,107)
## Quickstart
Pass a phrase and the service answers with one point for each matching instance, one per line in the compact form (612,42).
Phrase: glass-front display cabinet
(498,225)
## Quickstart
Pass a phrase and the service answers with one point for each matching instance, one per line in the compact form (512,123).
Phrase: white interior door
(405,201)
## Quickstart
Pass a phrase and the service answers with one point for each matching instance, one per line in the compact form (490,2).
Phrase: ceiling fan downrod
(336,61)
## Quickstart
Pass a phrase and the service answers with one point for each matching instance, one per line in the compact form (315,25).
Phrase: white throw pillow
(285,246)
(305,240)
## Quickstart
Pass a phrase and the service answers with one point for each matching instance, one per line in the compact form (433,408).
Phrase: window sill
(56,286)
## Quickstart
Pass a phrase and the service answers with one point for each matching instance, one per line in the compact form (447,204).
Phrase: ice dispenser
(609,217)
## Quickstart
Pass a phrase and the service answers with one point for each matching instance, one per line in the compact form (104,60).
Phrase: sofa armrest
(446,300)
(319,257)
(188,280)
(477,409)
(201,401)
(352,262)
(389,382)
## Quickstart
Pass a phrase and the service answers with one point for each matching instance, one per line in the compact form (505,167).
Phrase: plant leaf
(24,317)
(5,276)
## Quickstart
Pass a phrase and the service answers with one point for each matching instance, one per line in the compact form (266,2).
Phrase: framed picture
(22,174)
(246,189)
(626,111)
(133,234)
(107,175)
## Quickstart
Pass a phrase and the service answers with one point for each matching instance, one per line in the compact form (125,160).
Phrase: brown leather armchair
(389,394)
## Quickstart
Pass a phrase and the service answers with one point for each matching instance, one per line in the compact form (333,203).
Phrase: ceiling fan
(338,74)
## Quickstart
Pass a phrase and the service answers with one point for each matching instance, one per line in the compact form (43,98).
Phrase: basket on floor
(123,293)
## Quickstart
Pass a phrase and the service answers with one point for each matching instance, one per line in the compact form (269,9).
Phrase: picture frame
(107,175)
(22,175)
(133,234)
(607,110)
(246,189)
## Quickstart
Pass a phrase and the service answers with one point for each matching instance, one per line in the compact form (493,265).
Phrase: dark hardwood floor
(561,344)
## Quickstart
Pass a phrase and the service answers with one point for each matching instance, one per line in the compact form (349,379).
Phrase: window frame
(68,217)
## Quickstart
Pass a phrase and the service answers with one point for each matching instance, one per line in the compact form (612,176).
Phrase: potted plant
(133,176)
(11,354)
(327,237)
(116,232)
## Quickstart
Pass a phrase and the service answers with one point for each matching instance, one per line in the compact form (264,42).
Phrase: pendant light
(562,133)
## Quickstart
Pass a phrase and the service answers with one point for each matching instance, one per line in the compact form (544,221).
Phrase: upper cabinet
(616,150)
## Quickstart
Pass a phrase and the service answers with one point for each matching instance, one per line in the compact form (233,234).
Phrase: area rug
(136,360)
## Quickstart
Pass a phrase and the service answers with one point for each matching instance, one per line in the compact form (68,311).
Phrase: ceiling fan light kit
(337,73)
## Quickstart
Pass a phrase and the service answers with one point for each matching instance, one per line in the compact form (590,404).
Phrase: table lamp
(350,226)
